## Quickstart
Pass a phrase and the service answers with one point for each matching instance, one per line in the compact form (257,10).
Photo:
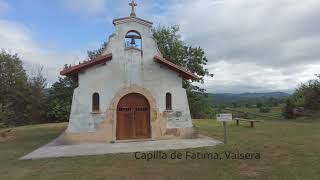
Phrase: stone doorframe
(157,126)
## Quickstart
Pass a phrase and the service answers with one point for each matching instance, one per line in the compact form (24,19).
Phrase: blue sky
(252,46)
(64,24)
(52,22)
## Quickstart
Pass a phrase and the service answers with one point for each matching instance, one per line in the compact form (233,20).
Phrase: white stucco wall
(127,67)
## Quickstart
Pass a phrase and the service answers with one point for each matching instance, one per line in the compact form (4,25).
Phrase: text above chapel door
(133,117)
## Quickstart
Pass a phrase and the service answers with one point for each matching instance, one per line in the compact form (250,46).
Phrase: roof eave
(181,70)
(132,19)
(75,69)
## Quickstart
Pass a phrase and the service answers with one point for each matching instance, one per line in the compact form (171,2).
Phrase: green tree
(311,92)
(288,110)
(13,89)
(94,53)
(37,105)
(60,99)
(200,106)
(259,105)
(264,109)
(193,58)
(174,49)
(307,96)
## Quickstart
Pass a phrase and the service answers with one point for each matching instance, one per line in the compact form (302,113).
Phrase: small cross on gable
(133,4)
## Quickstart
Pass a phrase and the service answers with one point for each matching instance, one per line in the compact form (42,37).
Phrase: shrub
(264,109)
(259,105)
(306,96)
(288,110)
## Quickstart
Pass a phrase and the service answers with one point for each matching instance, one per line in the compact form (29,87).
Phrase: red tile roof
(102,59)
(181,70)
(86,64)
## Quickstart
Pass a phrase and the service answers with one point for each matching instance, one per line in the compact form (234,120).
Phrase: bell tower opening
(133,39)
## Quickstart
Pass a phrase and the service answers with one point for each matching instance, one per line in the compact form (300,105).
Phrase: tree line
(24,98)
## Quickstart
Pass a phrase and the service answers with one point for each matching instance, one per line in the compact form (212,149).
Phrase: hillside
(246,98)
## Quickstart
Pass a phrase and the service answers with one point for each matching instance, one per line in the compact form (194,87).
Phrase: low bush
(264,109)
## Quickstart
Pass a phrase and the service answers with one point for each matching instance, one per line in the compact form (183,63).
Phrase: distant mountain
(246,98)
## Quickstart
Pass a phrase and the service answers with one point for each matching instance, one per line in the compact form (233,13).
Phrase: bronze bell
(133,41)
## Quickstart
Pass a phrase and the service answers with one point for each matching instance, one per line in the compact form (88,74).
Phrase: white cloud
(250,77)
(16,38)
(4,7)
(88,7)
(252,45)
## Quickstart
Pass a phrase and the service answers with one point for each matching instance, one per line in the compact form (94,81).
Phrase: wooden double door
(133,117)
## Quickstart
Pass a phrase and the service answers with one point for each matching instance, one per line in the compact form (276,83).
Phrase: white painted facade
(128,67)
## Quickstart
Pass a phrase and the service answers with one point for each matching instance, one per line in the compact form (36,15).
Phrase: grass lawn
(289,150)
(275,112)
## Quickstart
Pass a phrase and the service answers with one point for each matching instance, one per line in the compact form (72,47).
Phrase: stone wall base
(89,138)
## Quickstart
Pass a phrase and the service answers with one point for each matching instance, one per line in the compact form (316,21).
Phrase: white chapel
(130,92)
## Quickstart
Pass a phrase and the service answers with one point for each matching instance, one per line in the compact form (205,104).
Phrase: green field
(275,112)
(289,150)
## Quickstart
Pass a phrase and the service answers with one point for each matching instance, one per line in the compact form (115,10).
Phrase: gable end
(185,73)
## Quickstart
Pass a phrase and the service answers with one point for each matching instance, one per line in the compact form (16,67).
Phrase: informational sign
(178,119)
(224,117)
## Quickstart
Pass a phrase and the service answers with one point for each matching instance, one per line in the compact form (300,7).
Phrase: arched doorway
(133,117)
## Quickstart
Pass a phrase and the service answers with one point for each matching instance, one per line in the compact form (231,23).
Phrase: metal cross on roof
(133,4)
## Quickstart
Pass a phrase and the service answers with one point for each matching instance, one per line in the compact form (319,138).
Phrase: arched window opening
(95,102)
(133,40)
(168,101)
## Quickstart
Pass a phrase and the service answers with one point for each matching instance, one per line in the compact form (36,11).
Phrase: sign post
(225,132)
(224,118)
